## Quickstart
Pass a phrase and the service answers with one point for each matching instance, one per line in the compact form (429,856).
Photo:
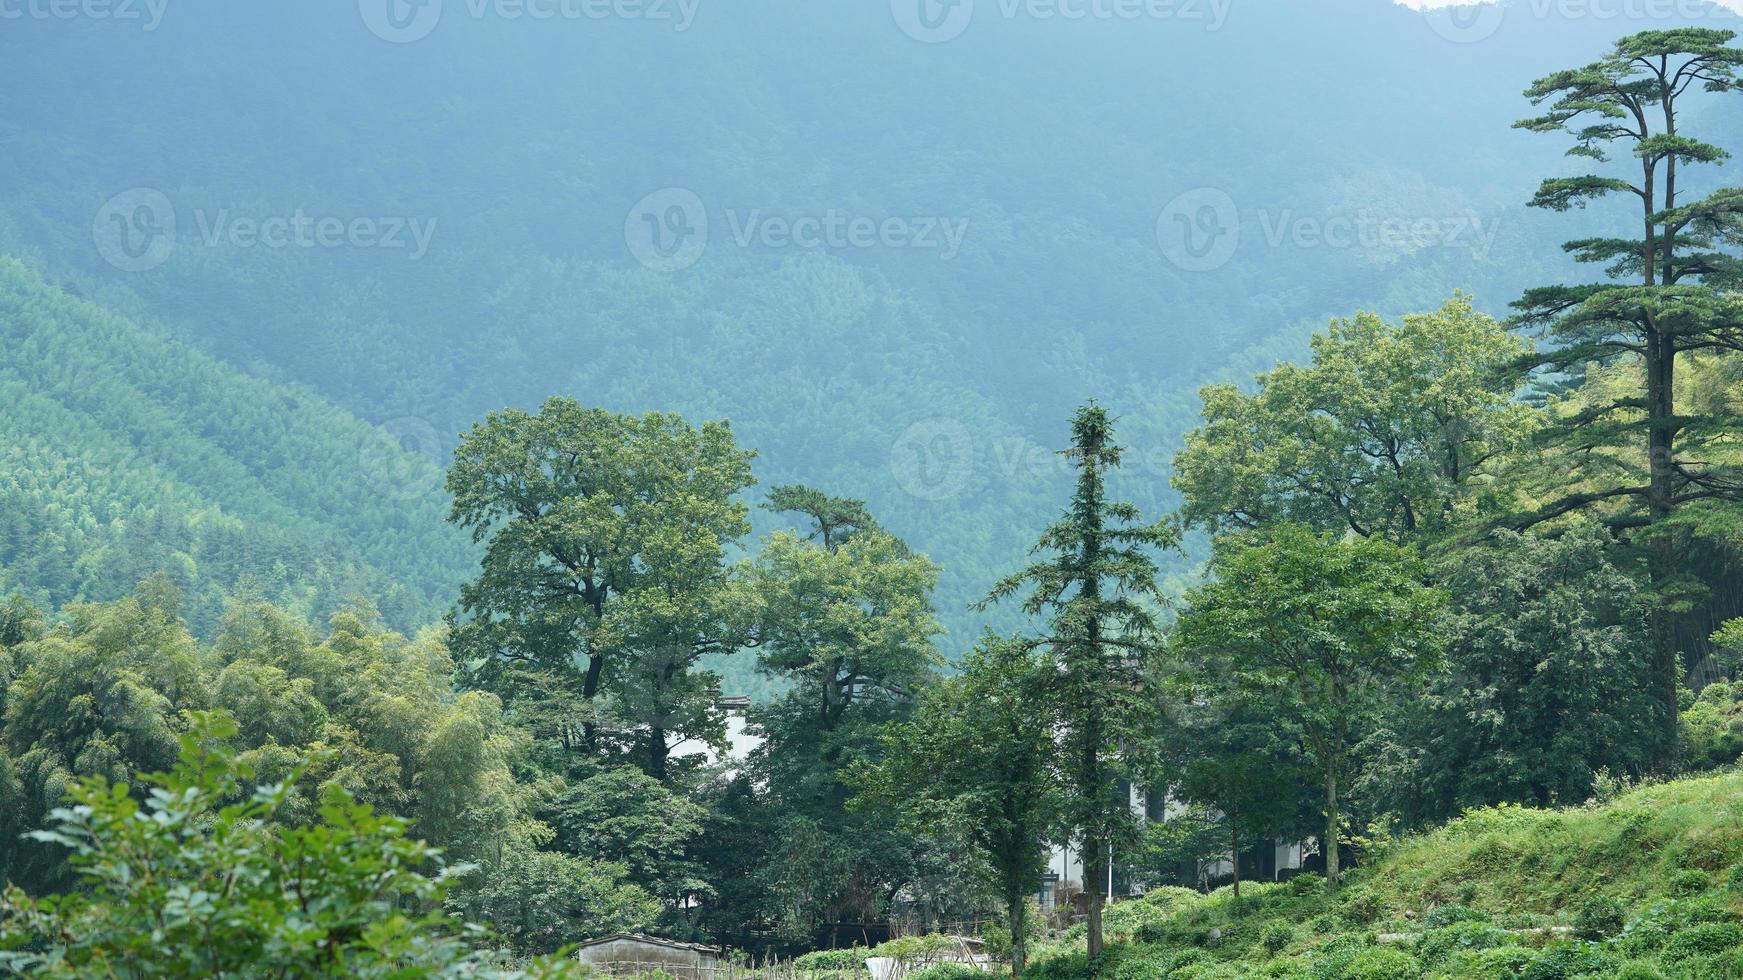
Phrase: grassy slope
(1459,902)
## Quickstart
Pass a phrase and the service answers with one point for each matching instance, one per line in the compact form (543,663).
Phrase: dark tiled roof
(651,940)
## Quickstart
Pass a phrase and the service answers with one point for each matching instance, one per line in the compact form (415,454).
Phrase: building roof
(650,940)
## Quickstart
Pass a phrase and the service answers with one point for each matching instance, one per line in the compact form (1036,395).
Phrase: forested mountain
(126,454)
(1117,445)
(492,219)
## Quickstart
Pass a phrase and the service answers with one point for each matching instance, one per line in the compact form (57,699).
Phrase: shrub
(1437,945)
(1448,914)
(1331,959)
(834,959)
(1689,882)
(1639,970)
(1703,940)
(1569,960)
(1128,919)
(1307,883)
(1381,964)
(1363,905)
(948,971)
(1172,897)
(919,951)
(1070,966)
(185,885)
(1485,964)
(1656,925)
(1276,938)
(1599,917)
(1135,968)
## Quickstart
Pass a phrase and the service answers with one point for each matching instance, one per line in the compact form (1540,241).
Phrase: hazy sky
(1624,5)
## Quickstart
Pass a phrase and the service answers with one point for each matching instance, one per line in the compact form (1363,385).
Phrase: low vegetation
(1648,885)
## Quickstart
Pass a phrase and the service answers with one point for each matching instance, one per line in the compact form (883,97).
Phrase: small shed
(628,953)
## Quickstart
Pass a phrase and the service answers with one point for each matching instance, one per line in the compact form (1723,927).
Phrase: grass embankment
(1648,885)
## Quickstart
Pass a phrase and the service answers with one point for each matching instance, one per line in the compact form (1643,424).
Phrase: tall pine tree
(1095,581)
(1668,297)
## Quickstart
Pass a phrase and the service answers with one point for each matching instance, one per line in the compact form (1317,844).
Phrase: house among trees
(629,954)
(1065,874)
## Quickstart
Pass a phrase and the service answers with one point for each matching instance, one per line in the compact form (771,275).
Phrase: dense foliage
(1456,575)
(190,883)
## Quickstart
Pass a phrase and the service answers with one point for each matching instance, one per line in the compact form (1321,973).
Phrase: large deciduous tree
(1545,646)
(1095,582)
(846,619)
(1384,432)
(1319,629)
(1669,295)
(604,567)
(979,759)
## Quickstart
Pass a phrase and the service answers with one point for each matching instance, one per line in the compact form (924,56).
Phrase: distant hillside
(123,454)
(509,175)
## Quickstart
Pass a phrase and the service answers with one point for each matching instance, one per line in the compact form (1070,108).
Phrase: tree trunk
(589,691)
(658,753)
(1331,828)
(1661,411)
(1661,349)
(1094,864)
(1017,903)
(1235,853)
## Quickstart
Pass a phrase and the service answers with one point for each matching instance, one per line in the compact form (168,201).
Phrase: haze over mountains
(894,243)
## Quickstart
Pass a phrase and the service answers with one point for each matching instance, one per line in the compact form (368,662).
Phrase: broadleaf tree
(604,567)
(978,758)
(1320,629)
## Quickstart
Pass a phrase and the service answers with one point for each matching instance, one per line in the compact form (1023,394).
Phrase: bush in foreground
(187,886)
